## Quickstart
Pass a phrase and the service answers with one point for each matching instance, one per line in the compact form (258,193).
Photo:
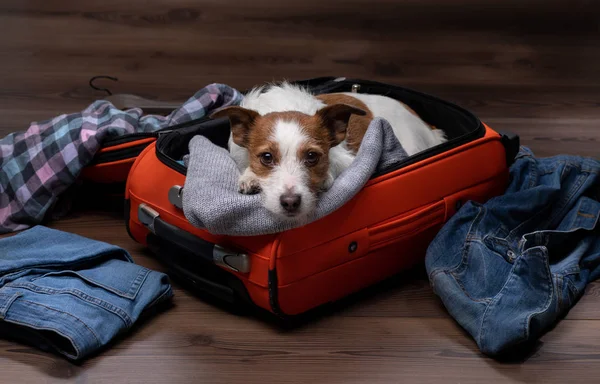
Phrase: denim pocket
(483,271)
(521,310)
(501,248)
(115,276)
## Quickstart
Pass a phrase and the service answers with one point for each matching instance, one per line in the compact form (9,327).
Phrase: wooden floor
(530,67)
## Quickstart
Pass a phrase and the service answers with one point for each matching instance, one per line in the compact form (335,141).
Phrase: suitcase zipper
(129,138)
(134,151)
(122,154)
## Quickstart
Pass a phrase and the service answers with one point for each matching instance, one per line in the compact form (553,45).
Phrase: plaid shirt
(37,165)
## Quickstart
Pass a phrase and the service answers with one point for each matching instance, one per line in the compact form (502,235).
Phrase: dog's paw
(249,186)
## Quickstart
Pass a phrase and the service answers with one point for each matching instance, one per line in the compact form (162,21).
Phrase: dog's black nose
(290,202)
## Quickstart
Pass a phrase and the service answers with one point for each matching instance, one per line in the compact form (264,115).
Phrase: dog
(290,145)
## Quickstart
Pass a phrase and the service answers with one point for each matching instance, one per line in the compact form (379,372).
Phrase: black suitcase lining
(460,125)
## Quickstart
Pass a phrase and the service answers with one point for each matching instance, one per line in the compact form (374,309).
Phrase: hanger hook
(102,77)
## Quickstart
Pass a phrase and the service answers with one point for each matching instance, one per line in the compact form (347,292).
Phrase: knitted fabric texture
(211,199)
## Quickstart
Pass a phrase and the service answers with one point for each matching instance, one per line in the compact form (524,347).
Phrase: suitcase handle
(214,289)
(210,252)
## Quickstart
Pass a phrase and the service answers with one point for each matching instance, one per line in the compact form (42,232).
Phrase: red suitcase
(382,231)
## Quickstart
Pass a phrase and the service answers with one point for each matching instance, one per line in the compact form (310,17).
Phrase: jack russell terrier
(291,145)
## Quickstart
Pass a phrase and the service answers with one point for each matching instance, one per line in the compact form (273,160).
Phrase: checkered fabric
(37,165)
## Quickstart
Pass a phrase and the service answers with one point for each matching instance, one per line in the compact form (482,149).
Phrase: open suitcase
(383,230)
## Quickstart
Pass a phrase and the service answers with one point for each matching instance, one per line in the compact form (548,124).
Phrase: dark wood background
(531,67)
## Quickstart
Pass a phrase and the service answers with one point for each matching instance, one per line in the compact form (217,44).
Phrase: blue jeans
(509,269)
(72,295)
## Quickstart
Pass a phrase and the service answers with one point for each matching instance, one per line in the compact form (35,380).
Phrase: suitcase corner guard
(512,144)
(214,253)
(175,196)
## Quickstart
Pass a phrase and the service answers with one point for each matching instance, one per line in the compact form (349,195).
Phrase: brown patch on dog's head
(358,123)
(335,119)
(241,121)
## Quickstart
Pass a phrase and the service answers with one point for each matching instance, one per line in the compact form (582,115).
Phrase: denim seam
(130,294)
(560,282)
(469,238)
(572,287)
(570,271)
(500,229)
(40,326)
(100,255)
(167,292)
(569,284)
(137,283)
(17,273)
(597,217)
(4,309)
(533,172)
(554,165)
(482,333)
(79,294)
(580,166)
(515,230)
(33,303)
(562,204)
(43,328)
(548,299)
(524,153)
(462,287)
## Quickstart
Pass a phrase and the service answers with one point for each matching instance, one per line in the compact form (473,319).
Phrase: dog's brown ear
(241,120)
(336,117)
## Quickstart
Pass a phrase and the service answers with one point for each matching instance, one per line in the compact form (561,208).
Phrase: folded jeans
(70,294)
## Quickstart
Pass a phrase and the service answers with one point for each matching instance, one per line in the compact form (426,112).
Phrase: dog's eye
(312,158)
(266,158)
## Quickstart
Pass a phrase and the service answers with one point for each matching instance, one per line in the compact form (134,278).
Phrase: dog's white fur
(414,135)
(290,175)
